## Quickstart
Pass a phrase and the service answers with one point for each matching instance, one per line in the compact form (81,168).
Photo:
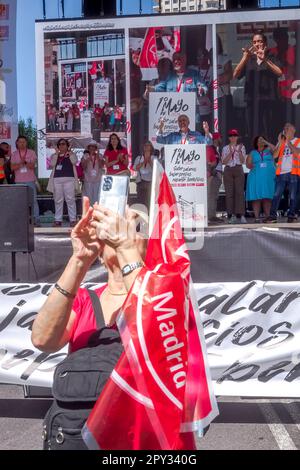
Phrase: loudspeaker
(94,8)
(16,218)
(96,135)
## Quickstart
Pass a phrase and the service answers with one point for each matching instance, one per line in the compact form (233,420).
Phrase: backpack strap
(97,309)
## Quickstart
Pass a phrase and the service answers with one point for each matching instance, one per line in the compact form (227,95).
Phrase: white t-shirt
(287,159)
(145,172)
(235,159)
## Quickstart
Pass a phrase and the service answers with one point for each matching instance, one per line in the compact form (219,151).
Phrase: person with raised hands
(67,315)
(287,151)
(184,135)
(261,70)
(116,157)
(85,320)
(233,157)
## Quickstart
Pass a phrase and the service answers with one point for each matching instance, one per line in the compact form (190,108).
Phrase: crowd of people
(252,89)
(273,169)
(68,117)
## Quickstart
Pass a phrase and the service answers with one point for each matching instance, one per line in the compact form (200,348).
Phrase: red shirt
(211,156)
(111,156)
(85,321)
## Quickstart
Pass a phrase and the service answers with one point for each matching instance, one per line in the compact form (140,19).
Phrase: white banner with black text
(252,334)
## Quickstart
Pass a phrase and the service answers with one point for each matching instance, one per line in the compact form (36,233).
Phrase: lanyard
(262,155)
(233,153)
(23,159)
(184,140)
(60,159)
(94,161)
(204,78)
(179,85)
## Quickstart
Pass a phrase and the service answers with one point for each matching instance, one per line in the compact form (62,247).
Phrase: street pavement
(243,424)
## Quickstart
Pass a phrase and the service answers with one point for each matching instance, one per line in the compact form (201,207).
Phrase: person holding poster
(184,135)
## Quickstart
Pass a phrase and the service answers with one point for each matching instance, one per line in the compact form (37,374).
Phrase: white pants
(61,123)
(91,190)
(64,189)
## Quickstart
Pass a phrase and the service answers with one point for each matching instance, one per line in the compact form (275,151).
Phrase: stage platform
(230,253)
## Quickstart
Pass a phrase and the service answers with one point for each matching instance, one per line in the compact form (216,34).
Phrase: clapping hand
(248,51)
(281,138)
(261,53)
(146,94)
(161,125)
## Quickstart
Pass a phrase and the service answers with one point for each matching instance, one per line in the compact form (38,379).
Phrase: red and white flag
(160,391)
(148,57)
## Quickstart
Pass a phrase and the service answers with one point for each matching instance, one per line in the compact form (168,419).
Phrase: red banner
(148,56)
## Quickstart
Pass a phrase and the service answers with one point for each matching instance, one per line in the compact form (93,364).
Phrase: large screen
(124,75)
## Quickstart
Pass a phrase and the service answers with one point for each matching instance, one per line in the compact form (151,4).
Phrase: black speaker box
(94,8)
(96,135)
(16,218)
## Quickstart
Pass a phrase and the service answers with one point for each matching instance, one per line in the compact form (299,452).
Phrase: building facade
(175,6)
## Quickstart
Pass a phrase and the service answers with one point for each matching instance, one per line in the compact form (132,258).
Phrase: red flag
(148,56)
(93,71)
(159,392)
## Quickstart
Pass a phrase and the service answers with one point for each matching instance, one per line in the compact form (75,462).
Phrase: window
(67,49)
(212,4)
(102,46)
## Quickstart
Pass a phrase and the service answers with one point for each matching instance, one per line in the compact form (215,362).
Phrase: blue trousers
(291,181)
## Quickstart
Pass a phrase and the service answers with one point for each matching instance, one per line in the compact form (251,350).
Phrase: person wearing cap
(233,157)
(92,164)
(184,135)
(214,177)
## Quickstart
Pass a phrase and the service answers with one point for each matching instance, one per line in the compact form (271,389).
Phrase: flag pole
(152,198)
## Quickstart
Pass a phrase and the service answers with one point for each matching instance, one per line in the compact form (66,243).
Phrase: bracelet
(64,292)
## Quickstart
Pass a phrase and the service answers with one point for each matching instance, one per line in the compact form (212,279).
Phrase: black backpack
(77,384)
